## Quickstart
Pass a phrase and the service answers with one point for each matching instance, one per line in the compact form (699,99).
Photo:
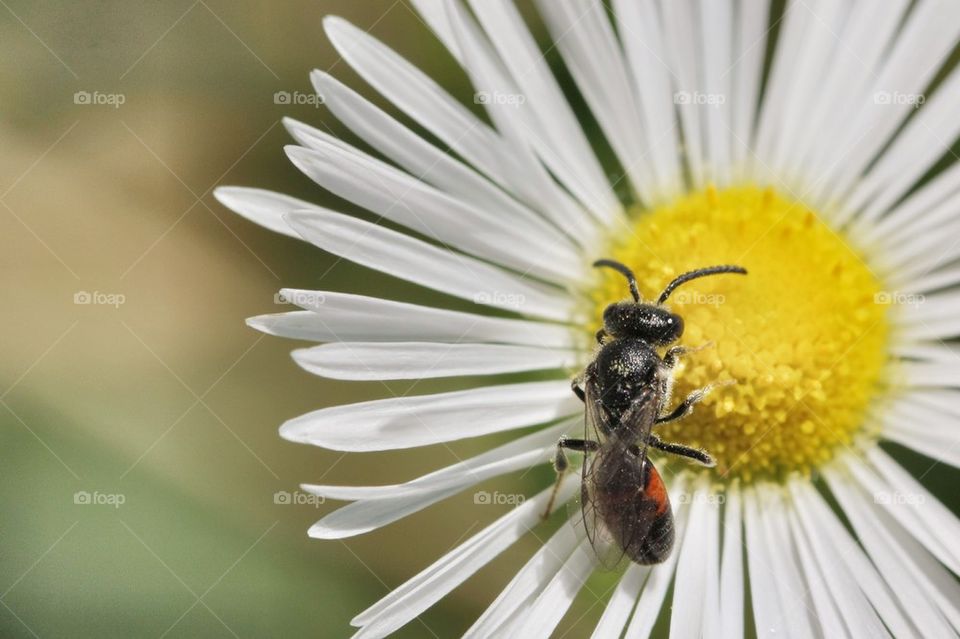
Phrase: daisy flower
(812,147)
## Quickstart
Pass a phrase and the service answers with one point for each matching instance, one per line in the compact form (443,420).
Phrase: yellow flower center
(802,336)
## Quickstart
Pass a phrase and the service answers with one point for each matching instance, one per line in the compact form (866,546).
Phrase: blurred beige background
(155,393)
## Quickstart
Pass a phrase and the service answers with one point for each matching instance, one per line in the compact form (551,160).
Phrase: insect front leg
(561,464)
(673,354)
(686,406)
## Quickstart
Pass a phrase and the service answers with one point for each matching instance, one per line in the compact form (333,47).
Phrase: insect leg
(686,406)
(684,451)
(560,464)
(575,386)
(674,353)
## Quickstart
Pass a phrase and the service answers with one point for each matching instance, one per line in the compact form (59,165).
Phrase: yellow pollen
(801,337)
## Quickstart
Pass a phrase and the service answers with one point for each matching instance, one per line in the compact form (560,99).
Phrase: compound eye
(677,326)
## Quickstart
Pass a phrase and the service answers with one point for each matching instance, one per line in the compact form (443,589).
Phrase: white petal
(550,606)
(533,183)
(526,584)
(429,586)
(854,582)
(621,603)
(423,160)
(335,317)
(422,360)
(921,47)
(265,208)
(933,446)
(689,588)
(641,36)
(654,591)
(891,559)
(679,24)
(793,594)
(716,59)
(407,422)
(768,615)
(524,452)
(574,161)
(408,201)
(416,261)
(751,44)
(383,505)
(825,606)
(731,568)
(913,506)
(931,374)
(582,33)
(924,138)
(422,98)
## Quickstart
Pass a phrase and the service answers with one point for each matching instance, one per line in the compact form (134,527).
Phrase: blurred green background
(167,401)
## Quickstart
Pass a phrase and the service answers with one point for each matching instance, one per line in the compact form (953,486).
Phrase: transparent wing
(618,467)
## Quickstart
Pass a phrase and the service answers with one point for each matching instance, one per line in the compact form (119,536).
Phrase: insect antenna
(623,270)
(700,272)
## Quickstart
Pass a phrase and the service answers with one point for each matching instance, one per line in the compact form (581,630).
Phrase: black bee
(625,390)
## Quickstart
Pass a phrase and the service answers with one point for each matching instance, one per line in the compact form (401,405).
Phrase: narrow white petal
(931,374)
(422,98)
(574,162)
(716,59)
(533,184)
(425,161)
(526,584)
(711,570)
(661,575)
(934,446)
(617,611)
(408,201)
(416,261)
(753,21)
(679,25)
(407,422)
(527,451)
(890,558)
(421,360)
(731,568)
(689,588)
(793,594)
(383,505)
(585,38)
(921,47)
(924,138)
(825,606)
(913,506)
(265,208)
(433,13)
(642,40)
(336,317)
(851,577)
(768,615)
(925,208)
(551,604)
(863,43)
(429,586)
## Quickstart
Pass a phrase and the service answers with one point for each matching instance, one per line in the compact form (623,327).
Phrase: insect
(625,390)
